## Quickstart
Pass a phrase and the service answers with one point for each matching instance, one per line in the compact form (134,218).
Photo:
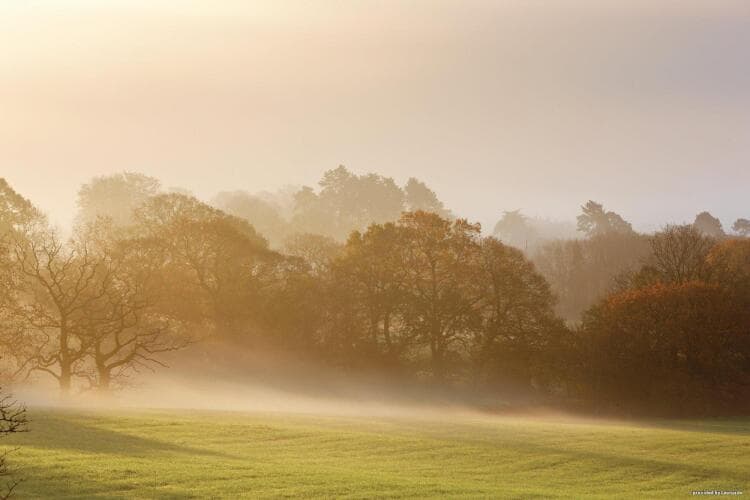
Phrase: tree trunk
(104,381)
(387,332)
(436,351)
(66,368)
(65,377)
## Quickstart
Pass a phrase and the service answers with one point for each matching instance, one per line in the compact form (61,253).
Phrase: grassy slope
(162,454)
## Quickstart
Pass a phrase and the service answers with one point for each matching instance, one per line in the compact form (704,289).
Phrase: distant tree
(264,216)
(563,263)
(679,255)
(316,250)
(594,220)
(741,227)
(180,190)
(514,229)
(729,262)
(708,225)
(346,202)
(15,210)
(419,197)
(582,272)
(115,196)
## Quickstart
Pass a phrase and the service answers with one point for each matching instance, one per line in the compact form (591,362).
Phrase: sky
(497,105)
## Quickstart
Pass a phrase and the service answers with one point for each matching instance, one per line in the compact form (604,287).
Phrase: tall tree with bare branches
(63,281)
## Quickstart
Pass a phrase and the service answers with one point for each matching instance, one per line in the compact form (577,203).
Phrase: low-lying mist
(268,381)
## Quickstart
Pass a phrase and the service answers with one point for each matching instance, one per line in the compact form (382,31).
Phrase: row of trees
(675,335)
(663,317)
(658,322)
(343,202)
(582,266)
(426,295)
(108,300)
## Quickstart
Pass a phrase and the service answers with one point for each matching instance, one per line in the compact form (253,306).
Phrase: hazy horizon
(495,105)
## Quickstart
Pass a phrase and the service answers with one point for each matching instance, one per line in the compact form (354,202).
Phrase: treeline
(343,202)
(392,284)
(583,261)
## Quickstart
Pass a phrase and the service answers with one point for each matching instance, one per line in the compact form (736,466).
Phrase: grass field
(171,454)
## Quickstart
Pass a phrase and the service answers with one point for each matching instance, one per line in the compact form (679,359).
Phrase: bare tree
(12,420)
(63,282)
(126,330)
(679,254)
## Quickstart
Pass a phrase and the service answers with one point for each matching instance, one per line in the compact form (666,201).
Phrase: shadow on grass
(74,433)
(734,426)
(42,481)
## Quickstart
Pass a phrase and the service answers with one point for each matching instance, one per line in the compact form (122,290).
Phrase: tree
(708,225)
(679,255)
(63,282)
(127,329)
(518,321)
(729,262)
(514,229)
(217,264)
(115,196)
(741,227)
(13,419)
(17,217)
(15,210)
(372,267)
(346,202)
(676,347)
(265,217)
(316,250)
(594,220)
(440,259)
(419,197)
(582,272)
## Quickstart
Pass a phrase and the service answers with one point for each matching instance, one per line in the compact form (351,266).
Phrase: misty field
(170,454)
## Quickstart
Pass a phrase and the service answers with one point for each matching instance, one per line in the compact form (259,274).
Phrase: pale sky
(497,105)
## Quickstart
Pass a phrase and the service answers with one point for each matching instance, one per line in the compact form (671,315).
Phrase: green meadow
(201,454)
